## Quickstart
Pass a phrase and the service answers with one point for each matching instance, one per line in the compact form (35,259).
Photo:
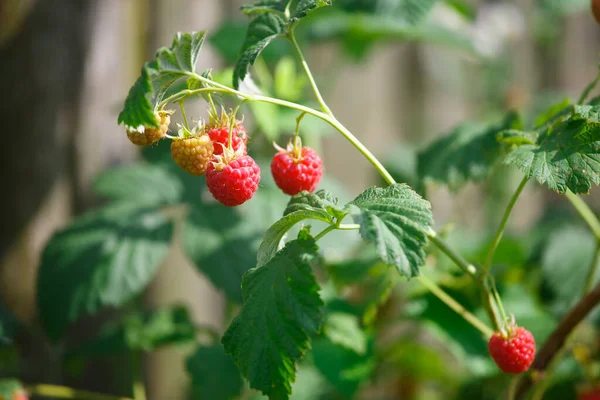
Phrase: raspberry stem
(63,392)
(185,120)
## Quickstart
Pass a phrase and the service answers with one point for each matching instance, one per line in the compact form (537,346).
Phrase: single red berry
(296,169)
(145,136)
(596,9)
(513,353)
(590,394)
(220,138)
(233,178)
(193,154)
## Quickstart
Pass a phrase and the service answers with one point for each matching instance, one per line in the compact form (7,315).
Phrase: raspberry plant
(289,293)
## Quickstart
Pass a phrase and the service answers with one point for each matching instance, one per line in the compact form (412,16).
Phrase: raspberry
(145,136)
(296,169)
(513,353)
(233,178)
(218,131)
(193,154)
(220,138)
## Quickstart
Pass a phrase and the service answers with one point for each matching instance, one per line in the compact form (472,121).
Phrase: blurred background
(66,67)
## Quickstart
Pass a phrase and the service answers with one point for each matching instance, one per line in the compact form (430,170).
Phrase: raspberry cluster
(232,176)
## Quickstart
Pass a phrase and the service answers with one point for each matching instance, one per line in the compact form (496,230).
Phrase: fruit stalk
(557,339)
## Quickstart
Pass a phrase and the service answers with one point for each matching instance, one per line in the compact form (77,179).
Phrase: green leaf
(305,7)
(141,331)
(214,374)
(261,31)
(10,389)
(140,183)
(566,154)
(396,220)
(343,368)
(270,244)
(321,201)
(344,329)
(280,312)
(468,153)
(221,245)
(103,259)
(516,137)
(566,260)
(411,11)
(169,65)
(265,6)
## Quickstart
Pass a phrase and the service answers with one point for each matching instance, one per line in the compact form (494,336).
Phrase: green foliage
(395,219)
(169,65)
(261,31)
(566,260)
(566,153)
(344,329)
(214,374)
(142,183)
(104,258)
(343,368)
(305,7)
(468,153)
(142,331)
(281,310)
(265,6)
(10,388)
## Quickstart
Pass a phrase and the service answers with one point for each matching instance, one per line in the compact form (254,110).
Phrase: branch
(557,339)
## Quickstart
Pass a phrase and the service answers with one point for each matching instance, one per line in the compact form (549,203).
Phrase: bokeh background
(66,67)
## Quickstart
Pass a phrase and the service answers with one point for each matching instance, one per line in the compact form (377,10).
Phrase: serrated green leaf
(141,331)
(104,259)
(169,65)
(566,154)
(305,7)
(280,312)
(138,109)
(214,374)
(140,183)
(261,31)
(468,153)
(395,220)
(265,6)
(553,112)
(344,329)
(270,244)
(321,201)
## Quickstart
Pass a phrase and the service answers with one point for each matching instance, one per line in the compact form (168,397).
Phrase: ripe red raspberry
(233,178)
(513,353)
(297,168)
(220,138)
(193,154)
(145,136)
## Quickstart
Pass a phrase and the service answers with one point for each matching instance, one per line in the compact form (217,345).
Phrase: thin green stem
(586,212)
(488,299)
(348,227)
(309,74)
(592,270)
(511,204)
(232,124)
(588,89)
(325,232)
(63,392)
(215,113)
(512,388)
(184,94)
(457,307)
(139,389)
(185,120)
(298,121)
